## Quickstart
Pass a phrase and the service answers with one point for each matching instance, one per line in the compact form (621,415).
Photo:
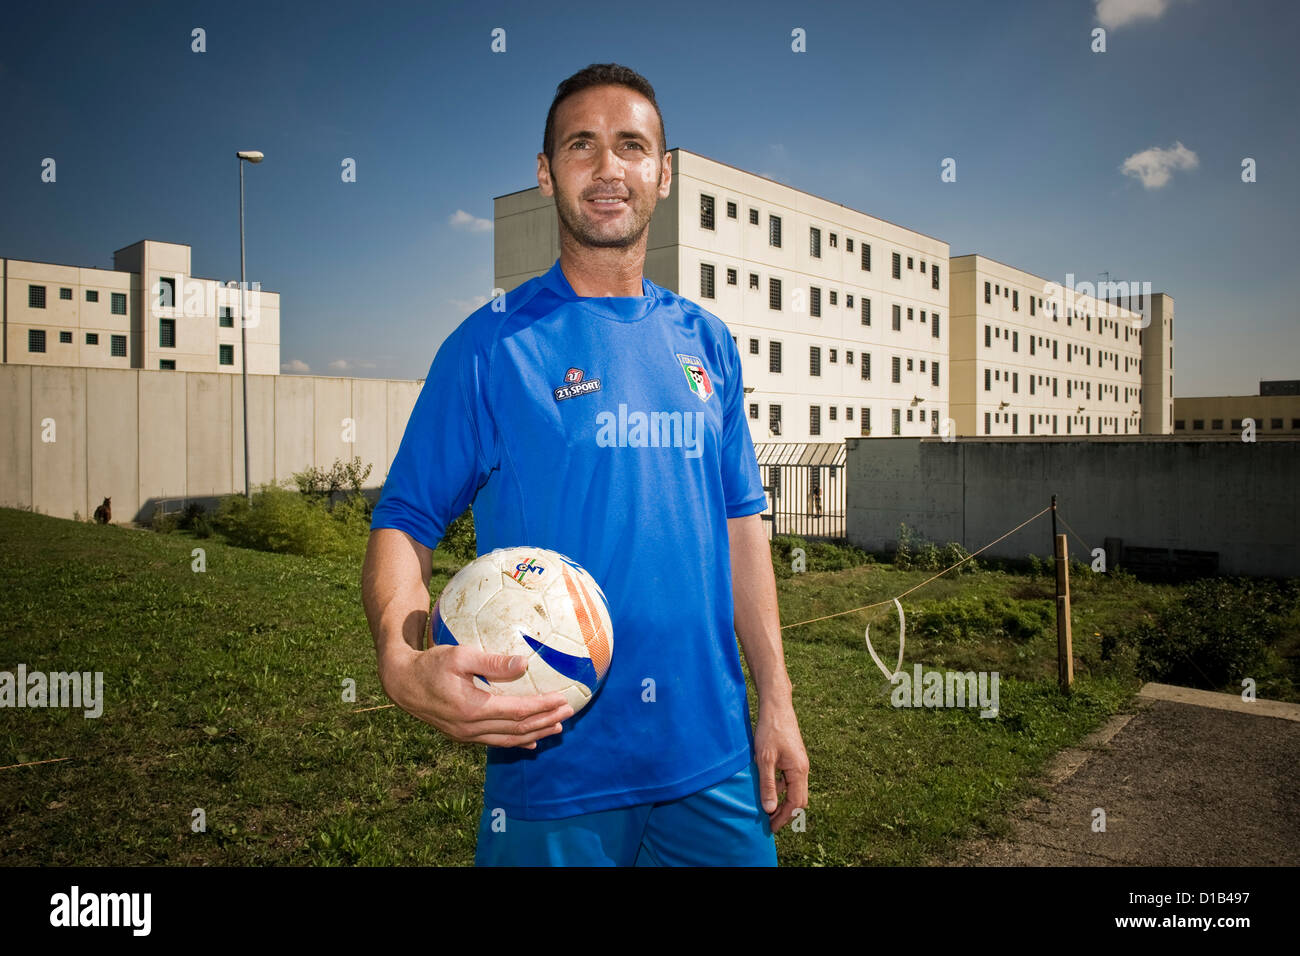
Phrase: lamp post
(252,156)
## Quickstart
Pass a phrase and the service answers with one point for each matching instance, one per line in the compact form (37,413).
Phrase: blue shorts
(722,826)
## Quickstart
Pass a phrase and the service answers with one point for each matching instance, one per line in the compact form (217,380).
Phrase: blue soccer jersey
(611,430)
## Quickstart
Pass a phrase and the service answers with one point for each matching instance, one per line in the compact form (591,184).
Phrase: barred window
(774,294)
(774,356)
(706,211)
(774,231)
(706,281)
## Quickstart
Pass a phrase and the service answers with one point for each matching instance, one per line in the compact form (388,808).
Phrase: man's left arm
(778,744)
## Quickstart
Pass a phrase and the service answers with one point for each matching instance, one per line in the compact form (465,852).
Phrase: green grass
(224,691)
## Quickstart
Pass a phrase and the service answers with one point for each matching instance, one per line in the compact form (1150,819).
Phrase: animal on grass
(104,513)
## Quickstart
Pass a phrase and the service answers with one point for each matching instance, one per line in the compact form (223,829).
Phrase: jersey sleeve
(449,448)
(742,486)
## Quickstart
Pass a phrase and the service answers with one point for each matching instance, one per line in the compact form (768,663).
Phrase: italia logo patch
(575,383)
(697,377)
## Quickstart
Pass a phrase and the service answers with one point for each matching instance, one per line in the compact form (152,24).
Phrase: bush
(1217,634)
(818,555)
(163,523)
(282,521)
(914,552)
(459,540)
(320,485)
(988,618)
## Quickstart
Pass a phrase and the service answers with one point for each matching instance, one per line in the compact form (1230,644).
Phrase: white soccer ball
(537,604)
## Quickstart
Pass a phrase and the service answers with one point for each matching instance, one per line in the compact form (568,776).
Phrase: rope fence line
(866,607)
(33,763)
(1061,519)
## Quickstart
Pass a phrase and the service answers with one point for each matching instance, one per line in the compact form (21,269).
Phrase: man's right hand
(437,686)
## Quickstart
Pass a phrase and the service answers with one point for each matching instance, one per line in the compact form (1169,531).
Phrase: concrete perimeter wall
(70,437)
(1237,498)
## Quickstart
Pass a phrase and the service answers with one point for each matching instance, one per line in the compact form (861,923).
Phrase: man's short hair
(600,74)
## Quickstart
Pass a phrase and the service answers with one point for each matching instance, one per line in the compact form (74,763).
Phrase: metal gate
(804,482)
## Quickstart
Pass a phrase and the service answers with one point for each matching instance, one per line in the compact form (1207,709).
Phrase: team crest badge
(697,377)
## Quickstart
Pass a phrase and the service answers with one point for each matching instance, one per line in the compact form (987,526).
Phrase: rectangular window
(988,337)
(866,366)
(753,406)
(1031,305)
(1032,340)
(934,325)
(753,217)
(167,365)
(895,374)
(814,360)
(774,294)
(731,213)
(988,293)
(167,333)
(36,340)
(848,360)
(988,380)
(227,317)
(833,295)
(92,338)
(1015,300)
(898,318)
(834,409)
(934,374)
(774,356)
(117,346)
(119,303)
(815,302)
(1032,380)
(987,419)
(1015,381)
(774,419)
(922,265)
(895,424)
(848,413)
(36,298)
(864,420)
(909,263)
(934,276)
(834,355)
(848,243)
(753,280)
(166,293)
(866,257)
(65,294)
(897,267)
(65,338)
(92,295)
(866,311)
(815,242)
(753,346)
(227,354)
(774,231)
(834,240)
(706,211)
(909,315)
(814,420)
(1054,384)
(706,281)
(1015,341)
(731,277)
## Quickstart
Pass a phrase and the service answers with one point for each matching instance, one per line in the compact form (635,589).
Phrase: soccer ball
(537,604)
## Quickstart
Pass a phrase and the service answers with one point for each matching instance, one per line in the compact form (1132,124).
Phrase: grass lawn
(224,692)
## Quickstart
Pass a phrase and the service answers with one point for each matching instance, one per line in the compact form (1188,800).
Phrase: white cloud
(472,304)
(340,365)
(1113,14)
(297,366)
(460,219)
(1155,166)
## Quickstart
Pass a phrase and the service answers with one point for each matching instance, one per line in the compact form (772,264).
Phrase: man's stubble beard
(575,224)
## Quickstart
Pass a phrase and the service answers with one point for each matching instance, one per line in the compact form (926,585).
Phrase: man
(663,766)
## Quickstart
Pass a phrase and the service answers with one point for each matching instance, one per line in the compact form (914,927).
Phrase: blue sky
(374,274)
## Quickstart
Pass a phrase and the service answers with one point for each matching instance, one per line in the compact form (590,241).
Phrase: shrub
(914,552)
(459,539)
(988,618)
(818,555)
(1215,635)
(280,520)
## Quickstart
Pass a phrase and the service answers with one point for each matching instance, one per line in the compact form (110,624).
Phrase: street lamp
(252,156)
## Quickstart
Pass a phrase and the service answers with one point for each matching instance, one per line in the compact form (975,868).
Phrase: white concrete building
(147,312)
(841,318)
(1032,356)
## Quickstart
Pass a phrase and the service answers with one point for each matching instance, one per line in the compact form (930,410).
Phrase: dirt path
(1189,779)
